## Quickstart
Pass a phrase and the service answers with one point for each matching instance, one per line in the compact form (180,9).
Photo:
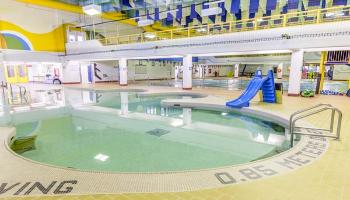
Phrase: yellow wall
(52,41)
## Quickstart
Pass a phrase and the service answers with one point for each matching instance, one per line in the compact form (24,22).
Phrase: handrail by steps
(301,114)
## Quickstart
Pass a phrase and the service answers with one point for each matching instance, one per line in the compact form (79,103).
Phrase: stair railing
(314,110)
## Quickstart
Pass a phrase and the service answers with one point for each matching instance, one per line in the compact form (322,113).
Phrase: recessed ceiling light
(92,9)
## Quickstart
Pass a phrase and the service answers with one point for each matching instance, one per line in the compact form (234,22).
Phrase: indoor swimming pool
(130,132)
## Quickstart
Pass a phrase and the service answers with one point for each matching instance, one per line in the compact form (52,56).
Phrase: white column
(187,73)
(124,99)
(236,71)
(200,71)
(123,72)
(297,62)
(84,72)
(280,71)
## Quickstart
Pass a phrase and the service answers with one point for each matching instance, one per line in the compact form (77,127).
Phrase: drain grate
(158,132)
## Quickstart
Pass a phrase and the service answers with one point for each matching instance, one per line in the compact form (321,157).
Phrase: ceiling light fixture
(201,30)
(145,22)
(211,11)
(92,9)
(150,35)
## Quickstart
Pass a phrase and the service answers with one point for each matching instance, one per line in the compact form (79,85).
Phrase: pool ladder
(314,110)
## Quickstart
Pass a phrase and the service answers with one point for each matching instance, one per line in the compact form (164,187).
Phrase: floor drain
(157,132)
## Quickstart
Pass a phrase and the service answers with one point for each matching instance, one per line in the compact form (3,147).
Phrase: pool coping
(190,180)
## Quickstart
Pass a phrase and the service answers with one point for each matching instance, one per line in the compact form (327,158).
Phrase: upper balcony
(316,30)
(317,16)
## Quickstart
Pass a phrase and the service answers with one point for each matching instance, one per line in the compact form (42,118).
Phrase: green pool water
(168,139)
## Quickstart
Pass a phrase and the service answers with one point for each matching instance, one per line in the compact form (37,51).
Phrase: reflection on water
(129,132)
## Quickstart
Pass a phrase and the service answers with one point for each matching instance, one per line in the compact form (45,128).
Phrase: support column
(123,72)
(322,70)
(236,71)
(187,73)
(280,71)
(297,62)
(87,73)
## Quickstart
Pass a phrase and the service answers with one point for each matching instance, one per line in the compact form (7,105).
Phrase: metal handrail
(301,114)
(304,110)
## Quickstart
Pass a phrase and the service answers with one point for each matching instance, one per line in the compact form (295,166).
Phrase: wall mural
(14,40)
(15,37)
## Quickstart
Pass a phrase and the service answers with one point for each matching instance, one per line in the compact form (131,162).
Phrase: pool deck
(325,178)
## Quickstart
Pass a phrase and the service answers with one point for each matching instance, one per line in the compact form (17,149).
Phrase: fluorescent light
(214,2)
(201,30)
(211,11)
(92,9)
(101,157)
(330,14)
(150,35)
(339,13)
(145,22)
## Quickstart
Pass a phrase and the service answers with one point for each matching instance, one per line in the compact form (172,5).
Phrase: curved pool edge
(284,162)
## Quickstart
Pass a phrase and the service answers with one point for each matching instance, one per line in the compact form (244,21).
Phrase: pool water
(100,137)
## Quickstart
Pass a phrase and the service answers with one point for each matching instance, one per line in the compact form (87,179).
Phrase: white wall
(108,71)
(148,69)
(71,72)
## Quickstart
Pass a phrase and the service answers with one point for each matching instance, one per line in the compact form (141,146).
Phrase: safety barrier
(332,14)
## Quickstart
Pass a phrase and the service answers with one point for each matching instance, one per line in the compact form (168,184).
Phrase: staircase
(268,89)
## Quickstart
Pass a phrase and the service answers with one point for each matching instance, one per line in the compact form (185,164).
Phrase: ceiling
(190,12)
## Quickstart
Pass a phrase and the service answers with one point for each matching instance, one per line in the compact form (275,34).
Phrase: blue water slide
(265,84)
(249,93)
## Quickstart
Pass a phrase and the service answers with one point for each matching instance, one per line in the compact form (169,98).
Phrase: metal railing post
(318,17)
(255,24)
(340,117)
(306,113)
(284,24)
(332,121)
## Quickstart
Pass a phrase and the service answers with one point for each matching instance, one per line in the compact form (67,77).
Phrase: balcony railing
(317,16)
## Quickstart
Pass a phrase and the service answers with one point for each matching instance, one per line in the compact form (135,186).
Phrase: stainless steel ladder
(301,114)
